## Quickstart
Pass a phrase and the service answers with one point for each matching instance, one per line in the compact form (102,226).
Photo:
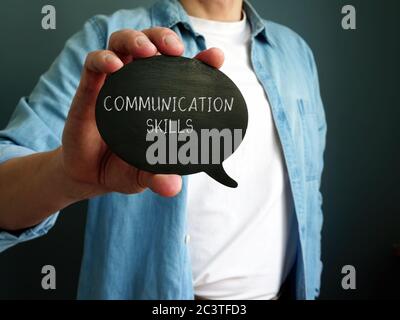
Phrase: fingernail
(171,40)
(142,41)
(111,58)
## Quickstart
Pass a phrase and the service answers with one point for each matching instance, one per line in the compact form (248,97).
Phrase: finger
(166,41)
(213,57)
(129,44)
(162,184)
(102,61)
(97,65)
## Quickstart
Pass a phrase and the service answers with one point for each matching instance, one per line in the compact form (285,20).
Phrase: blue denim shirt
(135,244)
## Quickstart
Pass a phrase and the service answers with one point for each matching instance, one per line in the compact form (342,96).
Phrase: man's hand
(84,157)
(83,166)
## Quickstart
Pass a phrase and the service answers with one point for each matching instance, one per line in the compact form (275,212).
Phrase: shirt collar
(168,13)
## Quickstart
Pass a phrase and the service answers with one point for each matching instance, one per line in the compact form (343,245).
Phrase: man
(162,236)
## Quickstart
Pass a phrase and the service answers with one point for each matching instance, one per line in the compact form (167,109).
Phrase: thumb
(167,185)
(97,65)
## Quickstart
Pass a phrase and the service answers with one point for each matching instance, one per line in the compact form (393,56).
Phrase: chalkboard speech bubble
(172,115)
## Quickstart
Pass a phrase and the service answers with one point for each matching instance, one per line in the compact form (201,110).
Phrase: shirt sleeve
(38,120)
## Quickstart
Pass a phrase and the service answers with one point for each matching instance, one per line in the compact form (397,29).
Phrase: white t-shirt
(242,241)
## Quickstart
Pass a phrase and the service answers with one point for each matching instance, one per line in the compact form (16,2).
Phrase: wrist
(72,189)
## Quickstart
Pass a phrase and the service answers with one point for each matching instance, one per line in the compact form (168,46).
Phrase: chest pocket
(309,123)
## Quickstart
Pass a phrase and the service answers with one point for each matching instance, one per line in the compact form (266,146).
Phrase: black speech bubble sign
(172,96)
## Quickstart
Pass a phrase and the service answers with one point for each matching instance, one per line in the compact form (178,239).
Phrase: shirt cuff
(8,240)
(10,151)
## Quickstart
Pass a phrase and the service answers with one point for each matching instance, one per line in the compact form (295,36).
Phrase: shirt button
(187,239)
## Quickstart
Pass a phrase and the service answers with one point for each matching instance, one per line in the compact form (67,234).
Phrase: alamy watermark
(349,279)
(349,21)
(49,279)
(49,17)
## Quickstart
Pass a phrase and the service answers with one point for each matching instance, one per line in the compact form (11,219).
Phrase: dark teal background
(359,75)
